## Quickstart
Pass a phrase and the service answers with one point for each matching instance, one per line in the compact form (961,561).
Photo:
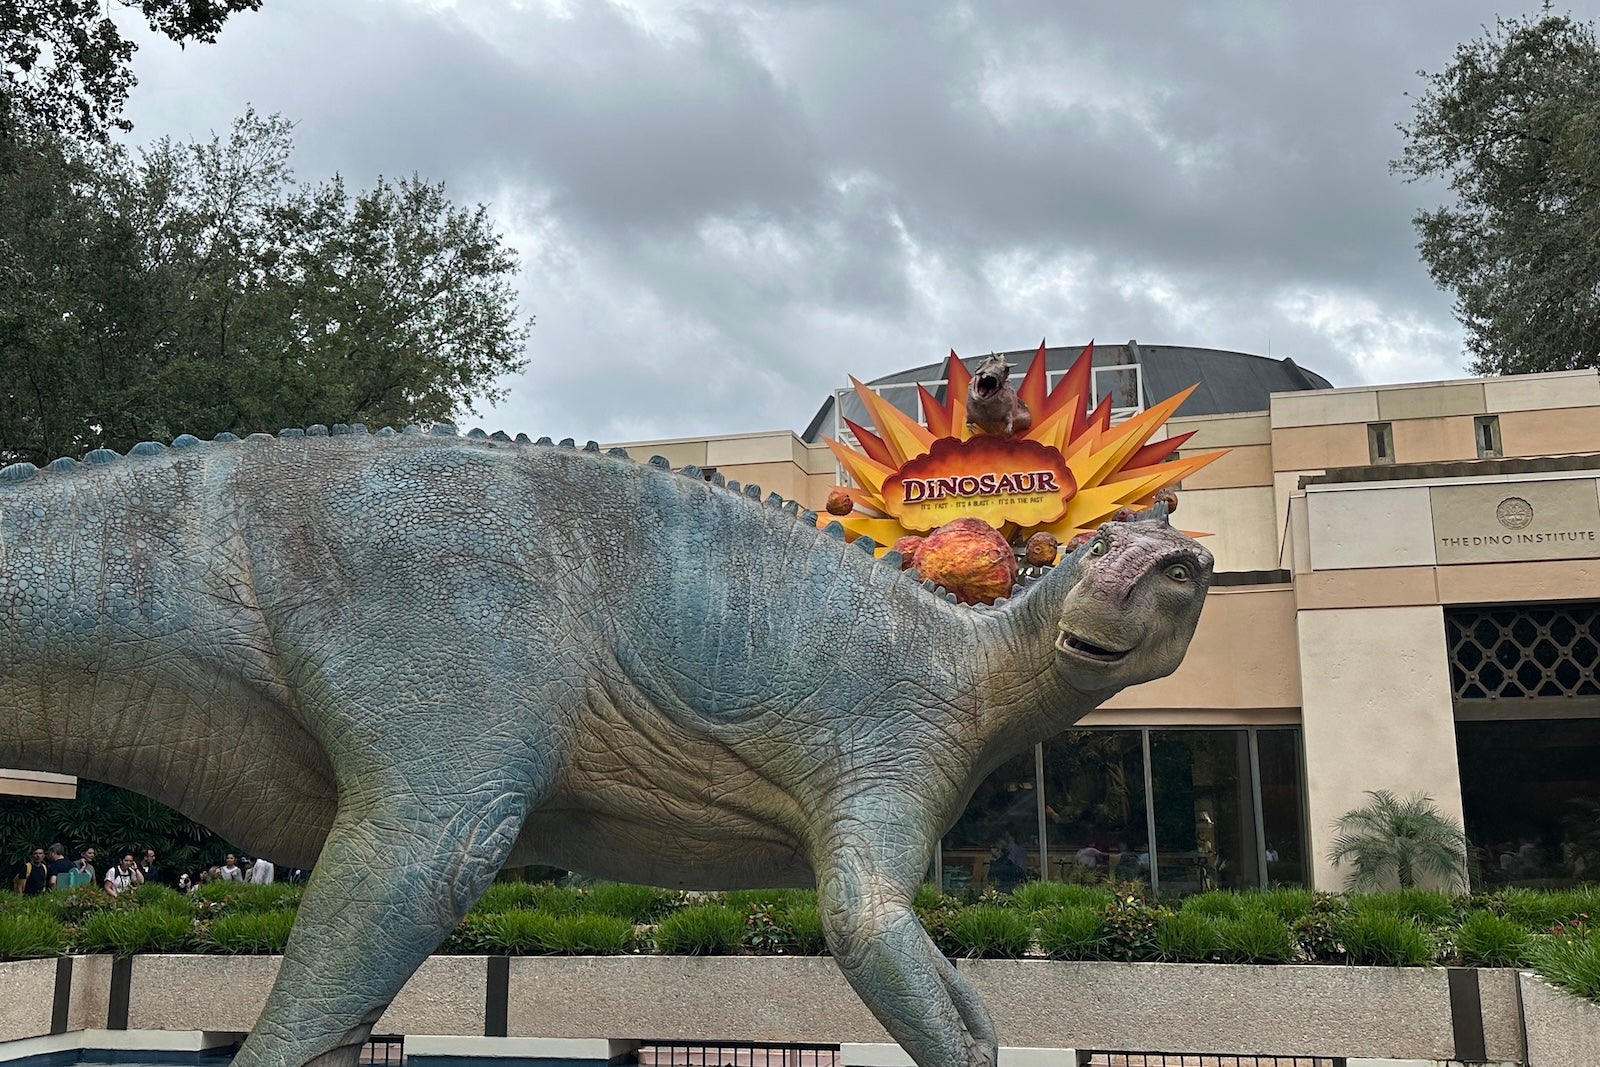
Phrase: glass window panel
(1530,790)
(1095,817)
(1205,816)
(1282,806)
(995,844)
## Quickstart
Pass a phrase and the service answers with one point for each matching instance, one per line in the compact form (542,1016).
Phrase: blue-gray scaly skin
(414,658)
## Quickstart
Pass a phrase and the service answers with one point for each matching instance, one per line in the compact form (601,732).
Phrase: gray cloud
(724,209)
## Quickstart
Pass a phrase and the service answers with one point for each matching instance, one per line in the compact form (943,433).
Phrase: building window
(1380,442)
(1530,790)
(1180,810)
(1486,431)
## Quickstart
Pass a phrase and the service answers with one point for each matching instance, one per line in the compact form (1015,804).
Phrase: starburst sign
(1071,471)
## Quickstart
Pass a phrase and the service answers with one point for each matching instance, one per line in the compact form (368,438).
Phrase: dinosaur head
(991,376)
(1130,613)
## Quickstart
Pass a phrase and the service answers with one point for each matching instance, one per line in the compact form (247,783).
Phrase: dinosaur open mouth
(988,385)
(1074,645)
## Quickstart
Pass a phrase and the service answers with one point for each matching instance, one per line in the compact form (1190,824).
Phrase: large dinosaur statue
(412,658)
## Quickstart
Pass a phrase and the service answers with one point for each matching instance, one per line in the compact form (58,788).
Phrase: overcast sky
(724,209)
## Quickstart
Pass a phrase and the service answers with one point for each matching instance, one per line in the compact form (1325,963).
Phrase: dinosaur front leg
(865,885)
(398,872)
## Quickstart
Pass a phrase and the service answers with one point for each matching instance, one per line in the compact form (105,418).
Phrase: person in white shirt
(261,872)
(230,870)
(123,876)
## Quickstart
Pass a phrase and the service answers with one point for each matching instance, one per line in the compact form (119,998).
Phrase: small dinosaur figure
(413,658)
(992,404)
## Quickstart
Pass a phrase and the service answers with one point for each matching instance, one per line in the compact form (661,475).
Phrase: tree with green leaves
(1399,839)
(197,288)
(1513,125)
(65,66)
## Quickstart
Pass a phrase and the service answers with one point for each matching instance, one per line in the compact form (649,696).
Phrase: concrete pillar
(1377,714)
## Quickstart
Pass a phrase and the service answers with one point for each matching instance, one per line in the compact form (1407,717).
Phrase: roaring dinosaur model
(410,659)
(993,405)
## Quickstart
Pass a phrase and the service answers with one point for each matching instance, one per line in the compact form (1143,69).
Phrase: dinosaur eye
(1099,547)
(1178,572)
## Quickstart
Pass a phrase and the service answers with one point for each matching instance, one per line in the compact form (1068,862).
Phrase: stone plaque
(1516,521)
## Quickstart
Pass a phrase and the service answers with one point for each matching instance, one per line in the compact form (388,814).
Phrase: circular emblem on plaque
(1514,513)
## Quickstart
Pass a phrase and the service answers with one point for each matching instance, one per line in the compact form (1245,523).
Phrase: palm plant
(1396,838)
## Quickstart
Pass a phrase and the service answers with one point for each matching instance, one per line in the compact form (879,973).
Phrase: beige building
(1406,599)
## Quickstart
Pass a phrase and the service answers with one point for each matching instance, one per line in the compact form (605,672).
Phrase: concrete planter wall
(1562,1029)
(1356,1012)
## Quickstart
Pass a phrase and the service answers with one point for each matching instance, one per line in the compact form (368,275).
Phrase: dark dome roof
(1227,382)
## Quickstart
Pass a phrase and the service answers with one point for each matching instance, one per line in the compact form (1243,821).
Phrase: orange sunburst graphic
(1069,472)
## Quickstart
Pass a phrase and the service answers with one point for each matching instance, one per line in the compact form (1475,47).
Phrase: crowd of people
(48,868)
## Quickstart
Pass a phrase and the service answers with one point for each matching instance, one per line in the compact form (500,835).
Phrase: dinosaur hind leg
(395,877)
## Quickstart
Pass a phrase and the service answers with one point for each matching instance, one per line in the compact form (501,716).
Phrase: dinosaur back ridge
(24,471)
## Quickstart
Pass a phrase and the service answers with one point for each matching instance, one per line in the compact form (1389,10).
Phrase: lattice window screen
(1509,653)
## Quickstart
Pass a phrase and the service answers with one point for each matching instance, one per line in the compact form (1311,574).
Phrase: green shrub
(1488,940)
(1214,905)
(1187,937)
(125,931)
(635,903)
(1385,938)
(1317,931)
(928,897)
(1074,932)
(1131,924)
(989,932)
(701,930)
(1258,935)
(247,932)
(590,935)
(75,907)
(1570,962)
(30,933)
(1042,896)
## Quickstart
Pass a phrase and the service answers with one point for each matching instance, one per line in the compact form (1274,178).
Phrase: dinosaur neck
(1025,698)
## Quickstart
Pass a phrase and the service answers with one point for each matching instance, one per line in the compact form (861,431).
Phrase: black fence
(731,1054)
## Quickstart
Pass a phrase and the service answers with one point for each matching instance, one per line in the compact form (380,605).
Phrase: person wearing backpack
(32,875)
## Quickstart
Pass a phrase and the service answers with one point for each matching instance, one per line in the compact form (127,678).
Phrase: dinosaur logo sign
(1061,470)
(997,479)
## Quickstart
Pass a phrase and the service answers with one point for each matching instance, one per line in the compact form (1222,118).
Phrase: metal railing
(735,1054)
(1191,1059)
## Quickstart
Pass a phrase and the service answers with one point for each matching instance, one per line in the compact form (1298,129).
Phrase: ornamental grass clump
(507,896)
(516,932)
(700,930)
(1039,896)
(589,935)
(990,932)
(1258,935)
(1571,962)
(125,931)
(635,903)
(1289,903)
(1385,939)
(805,927)
(250,932)
(31,933)
(1188,937)
(1074,932)
(1487,940)
(1538,910)
(1214,905)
